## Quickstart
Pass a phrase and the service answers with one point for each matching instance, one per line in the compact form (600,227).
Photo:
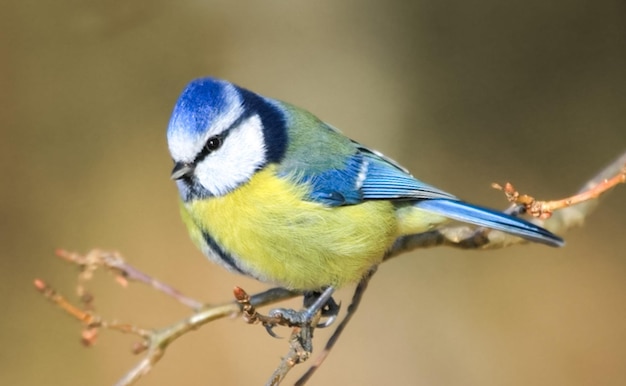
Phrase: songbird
(270,191)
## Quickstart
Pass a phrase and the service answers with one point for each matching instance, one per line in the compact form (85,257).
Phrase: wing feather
(368,175)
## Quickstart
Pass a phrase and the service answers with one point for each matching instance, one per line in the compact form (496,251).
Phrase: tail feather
(462,211)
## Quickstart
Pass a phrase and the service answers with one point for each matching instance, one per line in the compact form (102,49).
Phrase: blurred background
(462,93)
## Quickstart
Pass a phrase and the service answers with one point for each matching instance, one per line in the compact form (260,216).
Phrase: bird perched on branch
(270,191)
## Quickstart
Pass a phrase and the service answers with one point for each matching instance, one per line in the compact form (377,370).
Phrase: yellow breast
(272,233)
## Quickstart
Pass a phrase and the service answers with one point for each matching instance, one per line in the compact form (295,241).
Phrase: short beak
(182,170)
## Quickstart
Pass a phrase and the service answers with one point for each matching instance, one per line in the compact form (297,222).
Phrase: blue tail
(461,211)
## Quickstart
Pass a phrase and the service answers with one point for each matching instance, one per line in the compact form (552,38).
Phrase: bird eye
(213,143)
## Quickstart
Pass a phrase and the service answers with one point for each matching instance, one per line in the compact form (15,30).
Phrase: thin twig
(352,308)
(544,209)
(123,272)
(160,339)
(300,348)
(467,237)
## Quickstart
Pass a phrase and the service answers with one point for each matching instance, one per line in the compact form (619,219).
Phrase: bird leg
(314,303)
(329,310)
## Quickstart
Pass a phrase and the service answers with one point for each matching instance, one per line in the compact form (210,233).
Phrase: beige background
(533,92)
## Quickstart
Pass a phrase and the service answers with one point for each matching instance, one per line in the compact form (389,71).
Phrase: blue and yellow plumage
(270,191)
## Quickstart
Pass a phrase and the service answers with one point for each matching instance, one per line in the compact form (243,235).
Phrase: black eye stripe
(211,145)
(215,142)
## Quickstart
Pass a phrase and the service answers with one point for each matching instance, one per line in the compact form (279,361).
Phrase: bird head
(219,135)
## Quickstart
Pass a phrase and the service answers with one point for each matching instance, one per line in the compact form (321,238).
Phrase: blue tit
(270,191)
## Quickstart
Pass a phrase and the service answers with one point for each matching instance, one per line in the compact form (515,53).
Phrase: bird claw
(270,330)
(330,311)
(330,317)
(314,303)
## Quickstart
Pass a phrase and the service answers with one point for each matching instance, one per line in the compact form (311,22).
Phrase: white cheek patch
(242,153)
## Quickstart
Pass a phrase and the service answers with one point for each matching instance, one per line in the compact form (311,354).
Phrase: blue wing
(385,179)
(369,175)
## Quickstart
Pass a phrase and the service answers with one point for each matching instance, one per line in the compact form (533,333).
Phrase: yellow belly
(272,233)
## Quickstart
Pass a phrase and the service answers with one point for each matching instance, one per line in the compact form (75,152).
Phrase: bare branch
(123,272)
(571,213)
(158,340)
(563,214)
(154,342)
(544,209)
